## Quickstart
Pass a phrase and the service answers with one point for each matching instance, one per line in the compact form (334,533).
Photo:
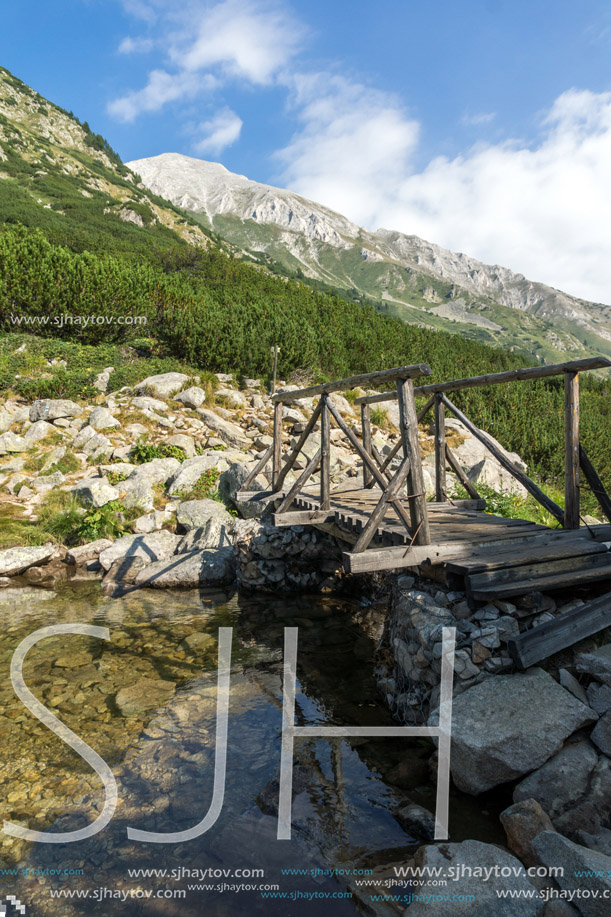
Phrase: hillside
(410,278)
(56,174)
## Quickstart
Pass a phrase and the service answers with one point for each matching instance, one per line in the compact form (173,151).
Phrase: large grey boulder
(192,397)
(102,379)
(101,419)
(469,893)
(209,514)
(146,403)
(157,471)
(601,734)
(38,431)
(137,493)
(6,420)
(187,443)
(506,726)
(574,788)
(86,552)
(227,430)
(198,568)
(151,548)
(163,384)
(191,470)
(233,398)
(95,491)
(584,870)
(54,408)
(43,483)
(15,560)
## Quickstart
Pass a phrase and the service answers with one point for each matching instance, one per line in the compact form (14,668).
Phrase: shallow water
(344,793)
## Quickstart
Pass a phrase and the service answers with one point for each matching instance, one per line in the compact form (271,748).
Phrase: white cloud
(205,46)
(162,87)
(136,45)
(479,118)
(219,132)
(246,40)
(541,209)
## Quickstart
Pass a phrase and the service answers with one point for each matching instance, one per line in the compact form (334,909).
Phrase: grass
(513,506)
(205,488)
(379,418)
(146,452)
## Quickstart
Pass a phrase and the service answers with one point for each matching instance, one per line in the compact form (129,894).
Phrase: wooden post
(441,493)
(571,450)
(408,420)
(275,350)
(277,459)
(325,456)
(366,427)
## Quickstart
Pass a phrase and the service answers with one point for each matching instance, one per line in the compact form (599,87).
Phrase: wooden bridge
(386,521)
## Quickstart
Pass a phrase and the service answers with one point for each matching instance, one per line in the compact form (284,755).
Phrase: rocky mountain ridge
(417,280)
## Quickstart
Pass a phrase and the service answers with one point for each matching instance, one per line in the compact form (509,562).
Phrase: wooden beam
(460,474)
(411,450)
(511,375)
(325,454)
(380,511)
(292,458)
(366,428)
(258,467)
(341,385)
(571,450)
(378,477)
(277,443)
(441,492)
(524,480)
(543,641)
(309,469)
(596,485)
(302,517)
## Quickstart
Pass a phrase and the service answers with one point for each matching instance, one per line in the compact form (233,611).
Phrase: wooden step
(598,556)
(535,551)
(541,583)
(543,641)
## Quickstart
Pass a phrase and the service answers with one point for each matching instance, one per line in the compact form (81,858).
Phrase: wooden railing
(575,458)
(409,473)
(404,490)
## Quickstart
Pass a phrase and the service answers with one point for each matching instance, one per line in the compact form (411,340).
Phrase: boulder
(82,437)
(102,379)
(583,870)
(599,697)
(6,421)
(479,872)
(38,431)
(184,442)
(87,552)
(417,821)
(137,493)
(192,397)
(489,472)
(164,384)
(506,726)
(198,568)
(144,695)
(15,560)
(43,483)
(101,419)
(232,398)
(601,734)
(157,471)
(205,514)
(153,547)
(596,664)
(11,442)
(522,822)
(574,788)
(144,403)
(191,470)
(228,431)
(95,491)
(51,409)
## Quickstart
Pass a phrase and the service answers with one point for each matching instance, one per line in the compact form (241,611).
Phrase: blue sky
(482,125)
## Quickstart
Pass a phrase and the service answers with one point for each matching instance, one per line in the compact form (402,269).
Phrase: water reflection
(146,702)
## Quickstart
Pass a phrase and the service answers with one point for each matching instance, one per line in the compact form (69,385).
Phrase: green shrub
(146,452)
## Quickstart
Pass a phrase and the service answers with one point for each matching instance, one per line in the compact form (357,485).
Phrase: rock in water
(15,560)
(199,568)
(505,727)
(144,695)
